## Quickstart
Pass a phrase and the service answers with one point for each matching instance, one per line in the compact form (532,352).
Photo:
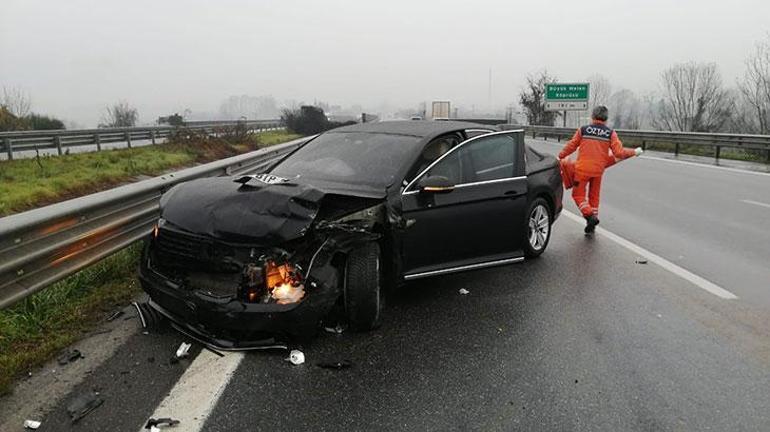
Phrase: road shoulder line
(195,395)
(659,260)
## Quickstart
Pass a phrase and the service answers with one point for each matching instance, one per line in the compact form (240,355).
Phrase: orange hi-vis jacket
(594,143)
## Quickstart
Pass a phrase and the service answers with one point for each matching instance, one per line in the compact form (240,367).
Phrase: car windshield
(344,157)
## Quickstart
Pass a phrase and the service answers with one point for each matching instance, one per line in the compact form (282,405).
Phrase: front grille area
(180,250)
(182,245)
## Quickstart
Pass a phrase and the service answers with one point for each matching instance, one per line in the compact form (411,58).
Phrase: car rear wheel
(538,228)
(363,287)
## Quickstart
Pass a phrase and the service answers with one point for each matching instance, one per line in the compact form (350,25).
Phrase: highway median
(35,182)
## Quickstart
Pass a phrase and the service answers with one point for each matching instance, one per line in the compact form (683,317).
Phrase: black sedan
(239,262)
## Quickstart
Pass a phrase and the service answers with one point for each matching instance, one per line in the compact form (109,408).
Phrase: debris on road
(641,261)
(31,424)
(156,424)
(296,357)
(149,317)
(338,329)
(82,405)
(464,291)
(336,365)
(183,350)
(69,357)
(115,316)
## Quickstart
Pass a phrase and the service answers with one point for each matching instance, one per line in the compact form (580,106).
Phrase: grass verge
(37,328)
(35,182)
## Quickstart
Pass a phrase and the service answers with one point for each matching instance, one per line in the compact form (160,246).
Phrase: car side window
(491,158)
(450,167)
(486,158)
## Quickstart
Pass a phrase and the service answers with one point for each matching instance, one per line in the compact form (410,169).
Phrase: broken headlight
(272,281)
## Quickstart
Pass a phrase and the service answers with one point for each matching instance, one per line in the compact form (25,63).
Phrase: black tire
(363,287)
(540,217)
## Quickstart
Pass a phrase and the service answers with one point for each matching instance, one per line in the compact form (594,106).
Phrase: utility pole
(489,90)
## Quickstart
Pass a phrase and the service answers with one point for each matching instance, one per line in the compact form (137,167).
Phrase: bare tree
(754,86)
(120,114)
(693,99)
(16,101)
(626,110)
(532,100)
(600,90)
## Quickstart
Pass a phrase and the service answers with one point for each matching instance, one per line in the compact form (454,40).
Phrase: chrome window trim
(495,168)
(462,268)
(469,140)
(484,182)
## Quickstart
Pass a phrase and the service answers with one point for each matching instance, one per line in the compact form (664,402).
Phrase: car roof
(418,128)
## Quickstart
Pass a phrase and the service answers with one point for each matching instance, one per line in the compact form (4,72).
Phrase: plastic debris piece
(296,357)
(115,316)
(69,357)
(156,424)
(337,365)
(338,329)
(31,424)
(183,350)
(641,261)
(82,405)
(464,291)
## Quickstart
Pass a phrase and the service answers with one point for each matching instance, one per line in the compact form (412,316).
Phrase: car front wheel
(363,287)
(538,228)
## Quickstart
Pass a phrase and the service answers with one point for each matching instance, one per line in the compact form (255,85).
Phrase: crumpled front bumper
(230,324)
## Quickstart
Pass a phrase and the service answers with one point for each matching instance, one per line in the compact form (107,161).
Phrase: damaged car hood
(245,209)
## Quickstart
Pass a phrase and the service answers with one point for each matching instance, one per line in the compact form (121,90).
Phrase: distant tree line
(16,114)
(691,97)
(309,120)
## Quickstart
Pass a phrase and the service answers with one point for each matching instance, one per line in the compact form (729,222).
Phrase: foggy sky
(74,57)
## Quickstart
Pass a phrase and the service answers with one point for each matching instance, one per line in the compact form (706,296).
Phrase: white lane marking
(196,393)
(695,164)
(659,260)
(703,165)
(757,203)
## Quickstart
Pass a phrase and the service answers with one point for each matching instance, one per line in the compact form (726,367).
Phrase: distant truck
(440,110)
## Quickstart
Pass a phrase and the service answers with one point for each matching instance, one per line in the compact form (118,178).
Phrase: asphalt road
(584,338)
(714,222)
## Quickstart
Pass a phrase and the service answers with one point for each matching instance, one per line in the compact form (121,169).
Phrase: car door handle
(513,193)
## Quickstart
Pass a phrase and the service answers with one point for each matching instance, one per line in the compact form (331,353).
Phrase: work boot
(591,222)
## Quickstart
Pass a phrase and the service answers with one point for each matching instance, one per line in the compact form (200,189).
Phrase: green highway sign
(566,97)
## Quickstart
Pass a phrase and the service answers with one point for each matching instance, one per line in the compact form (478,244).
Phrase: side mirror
(435,184)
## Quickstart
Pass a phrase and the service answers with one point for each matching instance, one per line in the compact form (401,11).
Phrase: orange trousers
(588,205)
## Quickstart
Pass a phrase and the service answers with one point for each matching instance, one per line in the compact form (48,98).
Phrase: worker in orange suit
(594,143)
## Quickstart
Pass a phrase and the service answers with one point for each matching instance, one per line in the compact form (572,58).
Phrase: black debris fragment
(161,422)
(82,405)
(115,316)
(338,329)
(641,261)
(69,357)
(336,365)
(211,350)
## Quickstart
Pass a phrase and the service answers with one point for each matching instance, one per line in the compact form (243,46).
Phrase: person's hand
(638,151)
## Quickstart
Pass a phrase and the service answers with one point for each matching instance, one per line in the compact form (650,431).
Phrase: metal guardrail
(42,246)
(710,140)
(16,141)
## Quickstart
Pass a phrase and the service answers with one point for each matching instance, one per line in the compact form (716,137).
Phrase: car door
(481,221)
